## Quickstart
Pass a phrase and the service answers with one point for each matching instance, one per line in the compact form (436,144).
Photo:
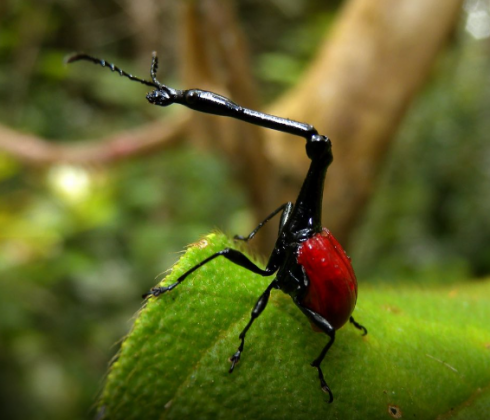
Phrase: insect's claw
(326,389)
(156,291)
(234,360)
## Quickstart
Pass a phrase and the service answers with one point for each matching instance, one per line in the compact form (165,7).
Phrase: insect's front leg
(232,255)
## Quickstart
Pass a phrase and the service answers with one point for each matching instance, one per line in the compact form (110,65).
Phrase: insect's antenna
(154,68)
(112,67)
(153,74)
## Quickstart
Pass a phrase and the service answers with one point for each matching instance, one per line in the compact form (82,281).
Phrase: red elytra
(332,291)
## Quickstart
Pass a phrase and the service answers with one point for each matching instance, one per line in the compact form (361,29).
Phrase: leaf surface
(427,354)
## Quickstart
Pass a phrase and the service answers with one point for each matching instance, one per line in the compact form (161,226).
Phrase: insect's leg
(232,255)
(286,209)
(256,311)
(325,326)
(358,326)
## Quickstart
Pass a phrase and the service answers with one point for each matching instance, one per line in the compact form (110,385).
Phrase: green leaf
(427,352)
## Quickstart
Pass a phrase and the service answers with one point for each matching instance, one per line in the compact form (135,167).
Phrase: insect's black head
(319,147)
(160,97)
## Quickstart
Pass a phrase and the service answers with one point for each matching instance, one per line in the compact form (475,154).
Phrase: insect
(310,265)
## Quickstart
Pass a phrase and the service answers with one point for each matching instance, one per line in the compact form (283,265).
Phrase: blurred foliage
(78,245)
(73,271)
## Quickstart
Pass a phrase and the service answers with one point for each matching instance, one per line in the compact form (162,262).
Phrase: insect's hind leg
(232,255)
(256,311)
(325,326)
(358,326)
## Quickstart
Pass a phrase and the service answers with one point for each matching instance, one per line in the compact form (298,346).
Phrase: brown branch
(357,91)
(128,144)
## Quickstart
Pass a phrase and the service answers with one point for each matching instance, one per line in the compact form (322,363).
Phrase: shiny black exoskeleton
(300,221)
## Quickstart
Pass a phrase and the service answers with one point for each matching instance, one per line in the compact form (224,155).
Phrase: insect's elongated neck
(307,212)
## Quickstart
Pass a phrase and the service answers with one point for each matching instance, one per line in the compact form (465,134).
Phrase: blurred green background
(79,244)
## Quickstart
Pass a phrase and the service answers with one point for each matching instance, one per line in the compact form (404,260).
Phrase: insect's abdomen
(332,292)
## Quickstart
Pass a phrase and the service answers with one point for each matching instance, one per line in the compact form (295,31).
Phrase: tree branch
(357,91)
(142,141)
